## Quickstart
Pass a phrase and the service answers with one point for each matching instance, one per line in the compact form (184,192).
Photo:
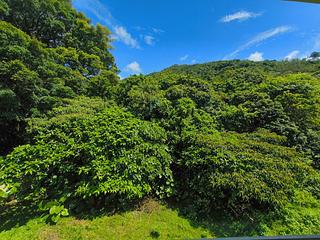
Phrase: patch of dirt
(149,206)
(48,234)
(78,222)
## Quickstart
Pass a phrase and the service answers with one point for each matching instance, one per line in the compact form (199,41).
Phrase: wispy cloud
(121,34)
(152,29)
(292,55)
(133,68)
(150,35)
(183,58)
(256,57)
(149,40)
(239,16)
(259,38)
(100,11)
(104,16)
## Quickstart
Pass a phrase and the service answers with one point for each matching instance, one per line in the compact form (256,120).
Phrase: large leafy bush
(240,171)
(107,156)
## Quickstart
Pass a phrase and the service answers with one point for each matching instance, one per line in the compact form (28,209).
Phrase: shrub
(300,216)
(99,157)
(237,172)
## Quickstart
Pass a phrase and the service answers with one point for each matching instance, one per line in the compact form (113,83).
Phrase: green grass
(152,221)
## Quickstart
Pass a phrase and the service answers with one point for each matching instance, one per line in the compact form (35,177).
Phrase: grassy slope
(144,223)
(153,221)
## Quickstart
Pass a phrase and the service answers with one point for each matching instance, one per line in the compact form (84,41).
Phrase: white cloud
(121,34)
(256,57)
(292,55)
(134,68)
(185,57)
(239,16)
(149,40)
(194,61)
(102,13)
(259,38)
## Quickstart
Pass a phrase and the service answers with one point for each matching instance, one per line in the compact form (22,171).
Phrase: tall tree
(48,51)
(56,23)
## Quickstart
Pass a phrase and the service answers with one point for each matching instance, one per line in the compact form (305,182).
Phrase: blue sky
(150,35)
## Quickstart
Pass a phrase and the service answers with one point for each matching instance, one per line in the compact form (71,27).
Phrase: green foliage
(300,217)
(48,51)
(210,71)
(4,9)
(106,156)
(228,170)
(57,24)
(7,192)
(4,193)
(54,211)
(237,136)
(257,168)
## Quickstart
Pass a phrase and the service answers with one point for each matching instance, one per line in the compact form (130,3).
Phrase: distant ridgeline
(307,1)
(235,136)
(271,67)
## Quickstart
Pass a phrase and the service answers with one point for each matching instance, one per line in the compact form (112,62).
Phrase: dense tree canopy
(242,127)
(56,24)
(48,51)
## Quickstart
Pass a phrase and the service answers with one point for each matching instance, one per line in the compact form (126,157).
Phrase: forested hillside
(232,138)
